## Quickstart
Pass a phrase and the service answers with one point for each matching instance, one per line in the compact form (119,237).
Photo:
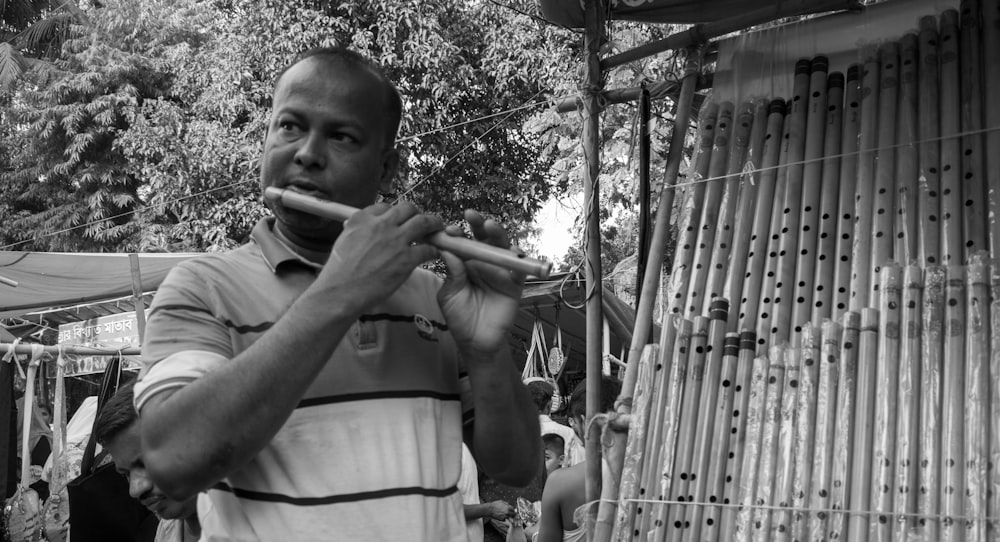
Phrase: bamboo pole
(931,369)
(746,378)
(953,408)
(784,461)
(809,77)
(908,405)
(973,182)
(723,433)
(907,214)
(886,394)
(769,444)
(828,389)
(805,430)
(704,433)
(850,139)
(929,163)
(885,164)
(742,525)
(767,193)
(707,225)
(864,223)
(861,468)
(806,252)
(976,397)
(826,250)
(952,247)
(749,181)
(723,246)
(53,350)
(843,441)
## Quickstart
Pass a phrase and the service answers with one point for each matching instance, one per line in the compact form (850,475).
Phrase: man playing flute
(315,383)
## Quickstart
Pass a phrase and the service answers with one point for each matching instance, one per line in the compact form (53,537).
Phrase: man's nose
(139,484)
(312,152)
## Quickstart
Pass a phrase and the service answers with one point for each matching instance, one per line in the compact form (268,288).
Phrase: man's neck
(312,254)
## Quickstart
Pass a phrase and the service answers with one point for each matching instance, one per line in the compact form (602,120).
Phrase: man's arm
(498,510)
(550,524)
(195,435)
(480,302)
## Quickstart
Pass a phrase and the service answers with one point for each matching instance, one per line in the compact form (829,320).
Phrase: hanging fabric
(536,355)
(55,513)
(22,512)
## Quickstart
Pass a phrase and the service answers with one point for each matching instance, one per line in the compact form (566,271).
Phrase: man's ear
(390,166)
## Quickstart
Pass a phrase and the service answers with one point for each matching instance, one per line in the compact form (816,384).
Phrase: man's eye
(288,125)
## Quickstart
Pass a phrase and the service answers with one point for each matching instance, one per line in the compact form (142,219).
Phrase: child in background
(554,451)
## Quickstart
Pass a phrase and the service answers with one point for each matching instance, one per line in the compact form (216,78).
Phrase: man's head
(555,447)
(611,387)
(331,135)
(118,432)
(541,394)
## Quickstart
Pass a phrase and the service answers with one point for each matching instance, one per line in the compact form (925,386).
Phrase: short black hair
(554,442)
(541,393)
(342,56)
(117,415)
(611,387)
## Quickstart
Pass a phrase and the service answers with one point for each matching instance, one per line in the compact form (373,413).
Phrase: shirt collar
(274,251)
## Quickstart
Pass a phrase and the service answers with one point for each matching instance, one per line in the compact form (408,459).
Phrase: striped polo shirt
(373,450)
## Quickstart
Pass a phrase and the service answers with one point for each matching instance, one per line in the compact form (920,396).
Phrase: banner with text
(108,332)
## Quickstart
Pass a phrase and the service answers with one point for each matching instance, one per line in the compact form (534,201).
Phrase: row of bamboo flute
(843,397)
(879,427)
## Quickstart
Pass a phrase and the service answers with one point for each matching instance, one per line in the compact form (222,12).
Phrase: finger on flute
(466,248)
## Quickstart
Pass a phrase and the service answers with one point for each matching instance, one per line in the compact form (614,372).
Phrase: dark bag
(100,507)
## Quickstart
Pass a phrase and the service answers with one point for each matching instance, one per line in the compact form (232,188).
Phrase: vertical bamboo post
(953,408)
(886,413)
(850,139)
(976,397)
(826,251)
(806,253)
(861,468)
(973,182)
(908,405)
(931,369)
(843,439)
(828,389)
(929,163)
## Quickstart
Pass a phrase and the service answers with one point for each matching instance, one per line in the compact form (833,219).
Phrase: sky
(555,220)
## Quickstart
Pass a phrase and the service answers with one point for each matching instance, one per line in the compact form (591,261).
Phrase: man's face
(327,138)
(126,450)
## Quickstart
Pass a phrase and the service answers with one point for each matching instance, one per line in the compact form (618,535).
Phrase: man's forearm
(506,434)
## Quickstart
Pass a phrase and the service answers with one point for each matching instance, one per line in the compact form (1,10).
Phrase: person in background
(554,452)
(118,432)
(324,381)
(565,490)
(475,511)
(541,393)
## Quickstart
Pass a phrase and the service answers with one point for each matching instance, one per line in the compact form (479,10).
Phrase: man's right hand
(500,510)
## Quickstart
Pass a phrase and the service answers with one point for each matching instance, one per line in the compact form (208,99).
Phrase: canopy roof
(569,13)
